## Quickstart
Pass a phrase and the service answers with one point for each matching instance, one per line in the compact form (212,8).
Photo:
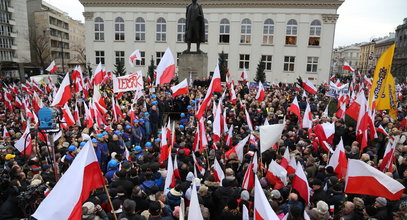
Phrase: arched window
(140,34)
(224,31)
(161,30)
(99,29)
(119,28)
(206,30)
(268,31)
(181,30)
(314,33)
(291,32)
(246,31)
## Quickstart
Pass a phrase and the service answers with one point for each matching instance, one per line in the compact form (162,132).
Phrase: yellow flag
(383,89)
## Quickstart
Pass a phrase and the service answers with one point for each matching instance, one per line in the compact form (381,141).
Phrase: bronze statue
(195,26)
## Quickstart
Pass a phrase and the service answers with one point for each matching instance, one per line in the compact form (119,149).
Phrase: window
(268,31)
(119,57)
(158,56)
(181,30)
(119,29)
(206,30)
(140,29)
(289,63)
(100,56)
(143,59)
(244,60)
(224,32)
(314,33)
(161,30)
(246,31)
(267,61)
(312,64)
(291,32)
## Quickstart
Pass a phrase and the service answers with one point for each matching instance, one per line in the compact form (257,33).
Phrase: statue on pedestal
(195,26)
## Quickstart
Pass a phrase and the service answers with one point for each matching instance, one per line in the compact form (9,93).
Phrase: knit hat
(322,207)
(90,206)
(275,194)
(359,203)
(382,201)
(245,195)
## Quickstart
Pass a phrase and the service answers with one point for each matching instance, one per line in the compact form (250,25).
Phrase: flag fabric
(309,87)
(307,119)
(262,208)
(300,183)
(215,86)
(98,75)
(229,136)
(285,159)
(276,175)
(245,213)
(5,133)
(244,75)
(232,94)
(325,133)
(164,150)
(217,124)
(52,67)
(295,108)
(269,135)
(374,182)
(82,177)
(166,68)
(346,66)
(64,93)
(180,89)
(388,158)
(76,115)
(67,115)
(382,130)
(248,120)
(338,161)
(24,144)
(218,172)
(238,149)
(170,179)
(260,93)
(134,56)
(248,178)
(194,212)
(354,108)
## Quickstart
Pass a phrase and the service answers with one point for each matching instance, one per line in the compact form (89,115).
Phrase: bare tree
(40,48)
(81,54)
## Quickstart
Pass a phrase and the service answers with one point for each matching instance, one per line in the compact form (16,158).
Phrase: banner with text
(131,82)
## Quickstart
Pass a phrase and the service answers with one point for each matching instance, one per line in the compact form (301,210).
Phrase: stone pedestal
(193,63)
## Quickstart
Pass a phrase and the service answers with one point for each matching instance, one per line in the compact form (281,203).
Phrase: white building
(295,37)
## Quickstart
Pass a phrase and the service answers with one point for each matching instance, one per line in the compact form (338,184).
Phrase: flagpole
(110,201)
(207,158)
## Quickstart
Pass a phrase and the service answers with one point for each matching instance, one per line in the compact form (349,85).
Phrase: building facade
(366,57)
(294,38)
(55,36)
(400,53)
(14,40)
(348,54)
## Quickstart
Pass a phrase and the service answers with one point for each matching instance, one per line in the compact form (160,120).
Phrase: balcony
(10,9)
(13,34)
(12,22)
(14,47)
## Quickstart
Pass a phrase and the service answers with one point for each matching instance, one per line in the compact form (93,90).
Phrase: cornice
(322,4)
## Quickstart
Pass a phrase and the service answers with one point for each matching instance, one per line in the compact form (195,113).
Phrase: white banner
(131,82)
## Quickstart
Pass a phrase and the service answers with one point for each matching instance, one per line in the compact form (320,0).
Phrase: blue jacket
(110,173)
(98,155)
(147,126)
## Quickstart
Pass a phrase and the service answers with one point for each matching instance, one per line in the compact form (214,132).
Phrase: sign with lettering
(131,82)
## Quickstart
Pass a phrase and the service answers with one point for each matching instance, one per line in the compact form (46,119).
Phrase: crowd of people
(135,181)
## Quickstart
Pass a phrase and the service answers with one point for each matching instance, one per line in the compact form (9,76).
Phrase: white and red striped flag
(238,149)
(269,135)
(260,93)
(215,86)
(244,75)
(276,175)
(98,75)
(170,179)
(52,67)
(67,115)
(307,118)
(82,177)
(194,212)
(388,158)
(165,69)
(63,94)
(338,161)
(346,66)
(180,89)
(5,133)
(218,172)
(134,56)
(262,208)
(295,108)
(300,183)
(309,87)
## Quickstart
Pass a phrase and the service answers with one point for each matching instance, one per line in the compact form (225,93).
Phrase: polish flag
(277,175)
(170,179)
(88,120)
(248,178)
(200,168)
(127,154)
(98,75)
(338,161)
(300,183)
(63,94)
(76,115)
(238,149)
(325,133)
(78,80)
(341,111)
(217,124)
(215,86)
(346,66)
(374,182)
(286,158)
(307,119)
(35,87)
(176,171)
(269,135)
(99,101)
(291,166)
(180,89)
(81,178)
(134,56)
(164,150)
(232,94)
(388,158)
(67,115)
(24,144)
(262,208)
(382,130)
(203,141)
(260,93)
(248,120)
(218,172)
(165,69)
(244,75)
(116,110)
(332,78)
(5,133)
(309,87)
(229,136)
(295,108)
(52,67)
(194,212)
(36,102)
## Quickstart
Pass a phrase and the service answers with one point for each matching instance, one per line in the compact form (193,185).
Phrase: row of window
(6,43)
(4,4)
(244,60)
(224,31)
(6,55)
(5,17)
(58,23)
(5,30)
(58,33)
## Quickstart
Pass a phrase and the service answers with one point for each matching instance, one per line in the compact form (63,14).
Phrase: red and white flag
(229,136)
(300,183)
(99,101)
(388,158)
(382,130)
(285,159)
(116,110)
(67,115)
(248,120)
(170,179)
(200,168)
(76,115)
(194,212)
(332,78)
(295,108)
(262,208)
(164,150)
(307,119)
(218,172)
(176,170)
(325,133)
(260,93)
(180,89)
(232,94)
(341,111)
(277,175)
(88,120)
(52,67)
(215,86)
(5,133)
(346,66)
(269,135)
(291,166)
(354,108)
(374,182)
(98,75)
(338,161)
(166,68)
(134,56)
(309,87)
(64,93)
(238,149)
(217,124)
(244,75)
(81,178)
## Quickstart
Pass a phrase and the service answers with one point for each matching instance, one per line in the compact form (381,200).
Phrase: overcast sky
(359,20)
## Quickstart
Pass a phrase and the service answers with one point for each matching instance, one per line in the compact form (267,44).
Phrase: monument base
(194,64)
